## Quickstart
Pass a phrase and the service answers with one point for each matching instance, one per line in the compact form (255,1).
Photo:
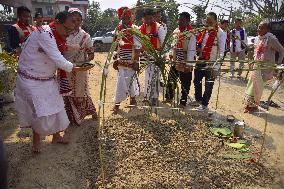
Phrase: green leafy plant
(8,74)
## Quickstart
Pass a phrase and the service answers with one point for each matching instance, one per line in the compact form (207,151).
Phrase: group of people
(52,86)
(210,44)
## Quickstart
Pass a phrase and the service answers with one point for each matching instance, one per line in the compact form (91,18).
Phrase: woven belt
(28,76)
(125,63)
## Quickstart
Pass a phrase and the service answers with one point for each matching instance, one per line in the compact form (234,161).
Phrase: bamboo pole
(218,91)
(266,119)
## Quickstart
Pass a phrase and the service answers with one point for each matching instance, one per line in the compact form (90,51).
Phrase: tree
(265,8)
(4,16)
(110,12)
(172,14)
(108,20)
(199,11)
(93,18)
(100,21)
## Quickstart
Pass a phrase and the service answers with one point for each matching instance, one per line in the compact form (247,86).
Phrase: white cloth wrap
(152,81)
(38,103)
(127,84)
(40,106)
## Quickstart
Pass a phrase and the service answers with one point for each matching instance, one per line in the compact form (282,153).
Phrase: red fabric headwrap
(124,11)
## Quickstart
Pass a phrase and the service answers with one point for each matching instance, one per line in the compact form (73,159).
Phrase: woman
(80,49)
(266,46)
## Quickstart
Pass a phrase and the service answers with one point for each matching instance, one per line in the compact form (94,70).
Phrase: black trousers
(199,74)
(185,79)
(3,167)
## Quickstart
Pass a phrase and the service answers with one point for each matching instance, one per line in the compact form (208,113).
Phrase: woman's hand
(91,56)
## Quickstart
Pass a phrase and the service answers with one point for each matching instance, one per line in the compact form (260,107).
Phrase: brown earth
(171,150)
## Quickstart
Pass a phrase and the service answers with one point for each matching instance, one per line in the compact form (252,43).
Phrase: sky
(115,4)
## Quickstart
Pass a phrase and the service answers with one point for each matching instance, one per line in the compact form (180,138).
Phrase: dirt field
(155,153)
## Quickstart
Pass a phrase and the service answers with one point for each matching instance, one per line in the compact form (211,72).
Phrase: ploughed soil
(144,148)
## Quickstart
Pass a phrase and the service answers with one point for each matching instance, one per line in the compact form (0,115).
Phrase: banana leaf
(224,132)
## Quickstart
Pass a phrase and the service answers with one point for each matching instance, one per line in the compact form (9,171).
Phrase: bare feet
(115,109)
(36,143)
(58,139)
(95,117)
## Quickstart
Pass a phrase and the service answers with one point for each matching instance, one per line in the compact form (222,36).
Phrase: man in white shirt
(224,25)
(184,49)
(126,61)
(38,102)
(238,46)
(157,35)
(211,46)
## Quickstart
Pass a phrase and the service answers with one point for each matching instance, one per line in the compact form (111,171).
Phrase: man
(184,49)
(157,35)
(127,60)
(225,27)
(38,102)
(266,46)
(20,31)
(38,19)
(211,46)
(238,46)
(3,167)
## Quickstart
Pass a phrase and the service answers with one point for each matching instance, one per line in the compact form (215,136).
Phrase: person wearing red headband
(126,60)
(184,49)
(157,35)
